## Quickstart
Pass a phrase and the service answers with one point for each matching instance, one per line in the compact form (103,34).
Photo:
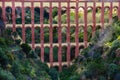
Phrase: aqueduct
(66,5)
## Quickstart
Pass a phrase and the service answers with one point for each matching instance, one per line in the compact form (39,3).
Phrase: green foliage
(54,74)
(26,48)
(6,75)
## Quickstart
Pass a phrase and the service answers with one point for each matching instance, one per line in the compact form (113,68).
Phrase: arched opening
(37,34)
(55,15)
(81,34)
(72,53)
(56,67)
(46,54)
(28,35)
(89,32)
(72,15)
(9,15)
(55,54)
(27,15)
(81,15)
(64,30)
(46,15)
(64,53)
(55,34)
(63,15)
(98,14)
(46,35)
(18,13)
(37,15)
(81,47)
(19,31)
(89,14)
(115,11)
(72,34)
(38,51)
(106,14)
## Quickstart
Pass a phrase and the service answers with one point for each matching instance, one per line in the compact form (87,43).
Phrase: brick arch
(55,34)
(63,32)
(37,15)
(46,15)
(28,34)
(37,31)
(89,32)
(27,17)
(8,14)
(72,34)
(55,54)
(55,15)
(18,14)
(46,34)
(72,52)
(81,14)
(81,33)
(72,12)
(46,54)
(38,51)
(64,53)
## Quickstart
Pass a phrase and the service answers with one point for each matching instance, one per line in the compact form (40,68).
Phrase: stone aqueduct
(59,4)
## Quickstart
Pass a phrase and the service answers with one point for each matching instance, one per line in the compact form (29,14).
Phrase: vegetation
(20,62)
(98,62)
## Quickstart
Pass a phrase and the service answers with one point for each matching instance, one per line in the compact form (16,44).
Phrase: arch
(55,54)
(98,14)
(63,15)
(72,52)
(38,51)
(19,31)
(81,34)
(55,15)
(9,14)
(46,34)
(72,34)
(28,35)
(115,11)
(89,32)
(72,15)
(18,13)
(27,15)
(46,54)
(64,53)
(63,31)
(37,15)
(81,14)
(55,34)
(46,15)
(106,14)
(37,34)
(90,14)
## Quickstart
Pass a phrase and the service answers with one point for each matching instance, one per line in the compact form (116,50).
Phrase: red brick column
(23,21)
(13,15)
(68,32)
(85,26)
(3,11)
(76,31)
(94,19)
(51,36)
(102,15)
(59,38)
(42,32)
(32,17)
